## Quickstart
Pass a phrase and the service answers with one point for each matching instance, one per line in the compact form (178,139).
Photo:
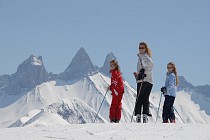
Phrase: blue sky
(175,30)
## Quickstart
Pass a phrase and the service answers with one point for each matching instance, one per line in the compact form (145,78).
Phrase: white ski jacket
(146,63)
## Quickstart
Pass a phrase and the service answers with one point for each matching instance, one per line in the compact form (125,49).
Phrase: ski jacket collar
(141,55)
(169,73)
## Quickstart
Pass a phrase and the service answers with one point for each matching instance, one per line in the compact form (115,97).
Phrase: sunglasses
(170,67)
(112,65)
(141,48)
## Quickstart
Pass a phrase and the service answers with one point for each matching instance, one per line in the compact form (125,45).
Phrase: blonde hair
(116,64)
(175,72)
(148,51)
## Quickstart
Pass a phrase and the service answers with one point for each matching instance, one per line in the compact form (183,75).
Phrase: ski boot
(172,121)
(138,118)
(165,121)
(112,121)
(145,118)
(117,121)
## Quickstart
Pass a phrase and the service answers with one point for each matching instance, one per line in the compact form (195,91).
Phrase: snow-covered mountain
(69,111)
(185,85)
(199,94)
(105,68)
(29,74)
(57,95)
(80,65)
(78,103)
(205,90)
(75,96)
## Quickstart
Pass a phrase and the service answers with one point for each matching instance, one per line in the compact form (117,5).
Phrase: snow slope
(203,100)
(186,110)
(199,94)
(78,102)
(54,92)
(50,98)
(123,131)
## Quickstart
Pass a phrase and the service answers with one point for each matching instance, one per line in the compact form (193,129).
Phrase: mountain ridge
(86,90)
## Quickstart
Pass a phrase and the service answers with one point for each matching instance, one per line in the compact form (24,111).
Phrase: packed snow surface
(107,131)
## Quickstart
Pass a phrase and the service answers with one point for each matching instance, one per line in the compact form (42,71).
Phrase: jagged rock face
(29,74)
(188,87)
(80,65)
(185,85)
(205,90)
(106,67)
(52,76)
(75,111)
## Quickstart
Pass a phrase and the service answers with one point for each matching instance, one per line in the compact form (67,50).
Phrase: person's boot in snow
(117,121)
(172,121)
(166,121)
(145,118)
(112,121)
(138,118)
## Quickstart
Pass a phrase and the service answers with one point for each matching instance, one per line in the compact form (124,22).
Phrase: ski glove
(163,90)
(141,75)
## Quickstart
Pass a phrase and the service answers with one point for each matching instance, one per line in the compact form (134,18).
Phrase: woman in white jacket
(144,78)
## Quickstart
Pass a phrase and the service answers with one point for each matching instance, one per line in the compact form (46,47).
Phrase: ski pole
(100,106)
(137,100)
(124,116)
(159,107)
(124,113)
(178,114)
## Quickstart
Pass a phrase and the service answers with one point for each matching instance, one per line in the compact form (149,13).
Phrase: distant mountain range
(33,95)
(188,87)
(32,72)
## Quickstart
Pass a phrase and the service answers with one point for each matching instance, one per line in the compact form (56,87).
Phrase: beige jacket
(145,62)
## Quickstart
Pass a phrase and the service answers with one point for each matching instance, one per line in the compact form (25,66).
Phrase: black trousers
(168,110)
(143,98)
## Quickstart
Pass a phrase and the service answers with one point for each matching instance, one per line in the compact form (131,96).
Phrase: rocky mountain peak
(106,67)
(80,65)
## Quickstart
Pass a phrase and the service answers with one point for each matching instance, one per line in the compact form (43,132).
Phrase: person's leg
(119,108)
(146,98)
(113,108)
(138,108)
(166,108)
(146,101)
(139,95)
(171,111)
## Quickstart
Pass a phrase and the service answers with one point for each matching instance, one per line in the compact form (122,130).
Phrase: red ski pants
(116,107)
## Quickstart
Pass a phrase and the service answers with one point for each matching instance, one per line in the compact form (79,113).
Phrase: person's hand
(135,74)
(163,90)
(142,71)
(108,88)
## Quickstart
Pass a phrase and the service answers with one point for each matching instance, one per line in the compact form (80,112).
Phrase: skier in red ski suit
(117,89)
